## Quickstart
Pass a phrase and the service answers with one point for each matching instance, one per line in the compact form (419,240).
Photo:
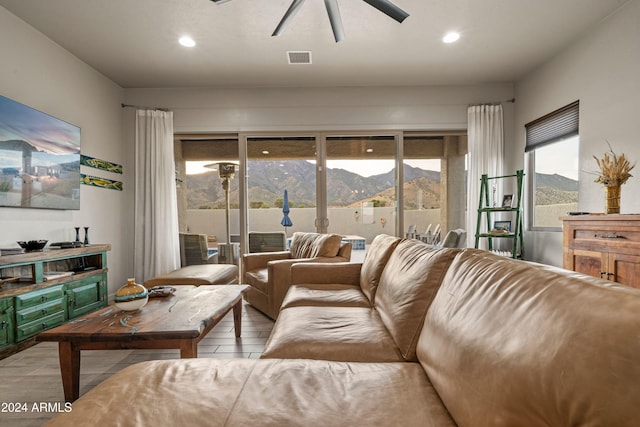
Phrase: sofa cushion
(328,295)
(301,244)
(311,245)
(408,284)
(327,245)
(354,334)
(243,392)
(375,259)
(258,278)
(526,345)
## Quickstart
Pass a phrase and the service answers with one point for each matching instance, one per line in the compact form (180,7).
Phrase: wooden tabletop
(186,314)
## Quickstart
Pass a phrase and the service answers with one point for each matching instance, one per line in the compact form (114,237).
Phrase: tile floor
(33,375)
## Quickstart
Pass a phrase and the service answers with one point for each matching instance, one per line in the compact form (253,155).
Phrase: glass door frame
(398,167)
(321,221)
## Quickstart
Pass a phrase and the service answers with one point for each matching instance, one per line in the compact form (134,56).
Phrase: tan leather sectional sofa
(413,337)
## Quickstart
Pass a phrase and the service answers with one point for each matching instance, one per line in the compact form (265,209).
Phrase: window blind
(555,126)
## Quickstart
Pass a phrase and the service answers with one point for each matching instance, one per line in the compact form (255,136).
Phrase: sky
(19,122)
(556,158)
(561,158)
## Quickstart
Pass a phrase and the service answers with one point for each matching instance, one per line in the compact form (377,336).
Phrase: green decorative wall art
(100,164)
(100,182)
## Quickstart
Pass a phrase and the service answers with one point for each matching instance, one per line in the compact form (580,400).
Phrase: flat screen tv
(39,159)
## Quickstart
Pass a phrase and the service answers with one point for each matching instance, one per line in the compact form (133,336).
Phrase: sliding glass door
(361,185)
(434,184)
(276,164)
(351,183)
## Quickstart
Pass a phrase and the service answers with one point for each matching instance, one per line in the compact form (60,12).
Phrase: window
(552,147)
(347,183)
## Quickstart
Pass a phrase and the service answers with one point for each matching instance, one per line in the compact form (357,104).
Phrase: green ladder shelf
(485,211)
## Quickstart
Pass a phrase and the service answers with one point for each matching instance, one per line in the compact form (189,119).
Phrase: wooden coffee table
(178,321)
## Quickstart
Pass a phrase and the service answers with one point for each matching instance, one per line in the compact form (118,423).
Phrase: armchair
(269,273)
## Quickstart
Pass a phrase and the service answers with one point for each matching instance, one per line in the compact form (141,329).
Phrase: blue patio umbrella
(286,221)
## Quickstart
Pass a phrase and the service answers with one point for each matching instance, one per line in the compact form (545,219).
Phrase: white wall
(293,109)
(602,70)
(39,73)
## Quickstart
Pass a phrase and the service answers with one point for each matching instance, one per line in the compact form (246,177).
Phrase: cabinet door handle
(44,312)
(607,236)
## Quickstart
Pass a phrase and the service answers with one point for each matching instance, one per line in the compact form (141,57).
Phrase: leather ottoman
(196,275)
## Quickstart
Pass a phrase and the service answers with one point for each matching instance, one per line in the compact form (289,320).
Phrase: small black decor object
(86,235)
(33,245)
(77,234)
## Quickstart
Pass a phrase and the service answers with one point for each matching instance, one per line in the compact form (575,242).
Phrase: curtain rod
(145,108)
(512,100)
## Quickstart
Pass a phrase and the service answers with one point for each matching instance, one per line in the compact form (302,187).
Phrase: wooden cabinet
(41,290)
(86,295)
(605,246)
(6,321)
(38,311)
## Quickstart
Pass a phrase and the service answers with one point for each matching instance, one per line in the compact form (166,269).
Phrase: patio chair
(194,250)
(411,232)
(455,239)
(426,236)
(267,241)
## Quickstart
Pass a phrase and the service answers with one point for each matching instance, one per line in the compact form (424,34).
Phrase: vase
(131,296)
(86,235)
(77,234)
(612,199)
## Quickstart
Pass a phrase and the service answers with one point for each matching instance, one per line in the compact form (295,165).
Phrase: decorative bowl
(33,245)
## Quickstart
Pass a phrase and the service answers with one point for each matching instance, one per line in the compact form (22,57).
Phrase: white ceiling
(134,42)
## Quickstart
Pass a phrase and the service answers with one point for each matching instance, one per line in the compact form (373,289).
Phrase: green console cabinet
(41,290)
(6,322)
(37,311)
(86,295)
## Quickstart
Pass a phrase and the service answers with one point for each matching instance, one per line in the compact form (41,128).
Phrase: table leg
(237,318)
(188,349)
(70,370)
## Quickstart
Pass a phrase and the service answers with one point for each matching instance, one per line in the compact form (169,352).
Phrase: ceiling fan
(384,6)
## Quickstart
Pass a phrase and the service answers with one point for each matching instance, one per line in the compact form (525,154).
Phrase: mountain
(269,179)
(555,189)
(556,181)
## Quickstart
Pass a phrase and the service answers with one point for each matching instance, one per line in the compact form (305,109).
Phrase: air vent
(299,57)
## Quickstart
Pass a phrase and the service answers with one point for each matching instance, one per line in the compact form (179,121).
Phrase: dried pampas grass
(614,169)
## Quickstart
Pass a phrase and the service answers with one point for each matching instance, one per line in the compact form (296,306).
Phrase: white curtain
(156,244)
(486,156)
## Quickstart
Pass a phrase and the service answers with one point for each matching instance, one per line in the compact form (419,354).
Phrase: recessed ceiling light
(369,150)
(186,41)
(451,37)
(265,152)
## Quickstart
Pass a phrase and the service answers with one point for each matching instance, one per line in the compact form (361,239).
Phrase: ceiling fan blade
(220,1)
(334,17)
(293,9)
(389,9)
